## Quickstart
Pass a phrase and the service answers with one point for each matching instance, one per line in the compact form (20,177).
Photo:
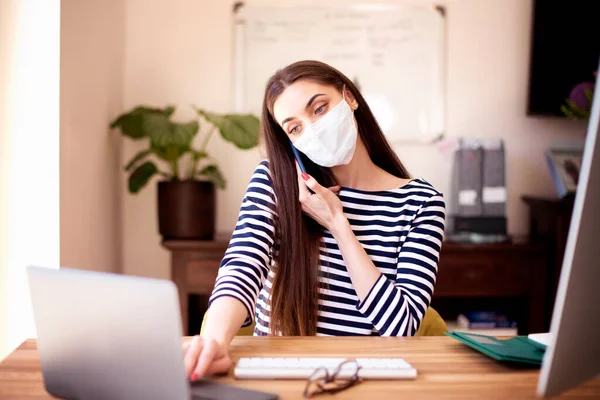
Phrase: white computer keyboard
(303,368)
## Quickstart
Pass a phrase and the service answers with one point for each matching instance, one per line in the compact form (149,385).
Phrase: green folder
(518,349)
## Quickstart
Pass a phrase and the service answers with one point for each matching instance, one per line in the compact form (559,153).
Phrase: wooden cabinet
(549,221)
(507,271)
(467,271)
(194,268)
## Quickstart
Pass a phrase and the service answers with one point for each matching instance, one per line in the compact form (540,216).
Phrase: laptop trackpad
(207,390)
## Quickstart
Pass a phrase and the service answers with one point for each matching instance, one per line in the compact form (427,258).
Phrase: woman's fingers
(303,190)
(219,366)
(313,184)
(335,189)
(186,346)
(207,357)
(193,352)
(304,181)
(204,357)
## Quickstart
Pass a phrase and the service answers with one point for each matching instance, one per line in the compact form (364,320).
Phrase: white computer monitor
(573,353)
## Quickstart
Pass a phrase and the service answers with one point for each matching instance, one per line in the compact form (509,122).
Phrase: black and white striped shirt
(401,230)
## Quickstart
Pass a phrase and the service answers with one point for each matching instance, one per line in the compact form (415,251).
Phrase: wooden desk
(508,271)
(446,368)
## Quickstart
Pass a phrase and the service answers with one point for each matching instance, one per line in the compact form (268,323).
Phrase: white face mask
(331,140)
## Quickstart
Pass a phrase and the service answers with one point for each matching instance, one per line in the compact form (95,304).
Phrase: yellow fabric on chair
(432,325)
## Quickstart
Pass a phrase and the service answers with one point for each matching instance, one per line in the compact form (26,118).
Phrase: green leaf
(132,122)
(169,153)
(165,133)
(577,111)
(138,157)
(169,111)
(199,155)
(566,111)
(239,129)
(214,175)
(141,175)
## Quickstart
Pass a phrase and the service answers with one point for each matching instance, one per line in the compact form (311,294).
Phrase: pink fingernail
(305,176)
(194,377)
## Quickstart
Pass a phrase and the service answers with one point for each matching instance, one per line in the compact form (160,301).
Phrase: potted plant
(186,194)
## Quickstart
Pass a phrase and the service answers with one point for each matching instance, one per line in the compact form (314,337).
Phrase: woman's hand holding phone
(323,205)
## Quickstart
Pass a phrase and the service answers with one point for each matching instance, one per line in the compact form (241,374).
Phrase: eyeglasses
(342,378)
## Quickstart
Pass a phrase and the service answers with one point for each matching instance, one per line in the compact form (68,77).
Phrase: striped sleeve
(396,308)
(245,265)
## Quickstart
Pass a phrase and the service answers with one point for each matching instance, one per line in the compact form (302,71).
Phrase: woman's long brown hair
(295,291)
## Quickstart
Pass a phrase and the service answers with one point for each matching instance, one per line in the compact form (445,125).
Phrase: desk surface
(446,368)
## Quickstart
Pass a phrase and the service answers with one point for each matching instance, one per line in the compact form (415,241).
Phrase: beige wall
(179,51)
(488,44)
(91,81)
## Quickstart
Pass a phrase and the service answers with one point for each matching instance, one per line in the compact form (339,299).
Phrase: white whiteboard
(395,53)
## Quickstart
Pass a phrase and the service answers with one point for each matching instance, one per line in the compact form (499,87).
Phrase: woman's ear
(350,99)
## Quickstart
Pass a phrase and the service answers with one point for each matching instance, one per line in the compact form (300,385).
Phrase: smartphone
(298,158)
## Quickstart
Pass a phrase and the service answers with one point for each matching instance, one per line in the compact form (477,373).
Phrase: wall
(91,72)
(488,45)
(179,51)
(185,61)
(29,156)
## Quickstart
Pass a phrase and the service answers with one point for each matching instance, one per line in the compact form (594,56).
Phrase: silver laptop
(107,336)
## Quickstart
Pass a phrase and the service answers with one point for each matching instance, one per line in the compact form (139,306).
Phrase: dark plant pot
(186,210)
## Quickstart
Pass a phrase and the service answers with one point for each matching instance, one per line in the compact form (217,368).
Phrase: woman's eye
(294,130)
(320,109)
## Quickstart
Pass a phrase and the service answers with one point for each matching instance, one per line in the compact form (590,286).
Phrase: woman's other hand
(204,356)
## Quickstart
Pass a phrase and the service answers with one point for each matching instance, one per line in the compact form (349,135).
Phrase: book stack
(485,323)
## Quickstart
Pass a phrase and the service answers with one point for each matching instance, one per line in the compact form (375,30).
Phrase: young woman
(349,248)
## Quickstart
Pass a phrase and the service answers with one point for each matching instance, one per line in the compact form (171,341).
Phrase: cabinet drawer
(482,275)
(201,275)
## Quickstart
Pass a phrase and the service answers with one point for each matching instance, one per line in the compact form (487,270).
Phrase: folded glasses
(343,377)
